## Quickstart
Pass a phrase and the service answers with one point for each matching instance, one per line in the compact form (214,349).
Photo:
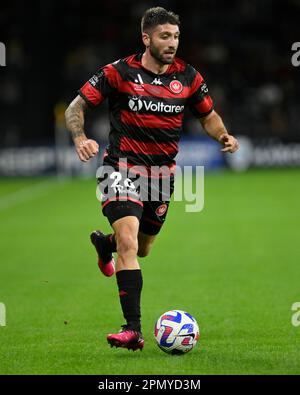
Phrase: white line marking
(2,314)
(28,193)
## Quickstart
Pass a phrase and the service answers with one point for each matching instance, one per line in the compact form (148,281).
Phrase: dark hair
(158,16)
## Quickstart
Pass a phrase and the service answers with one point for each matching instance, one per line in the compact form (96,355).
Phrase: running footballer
(147,95)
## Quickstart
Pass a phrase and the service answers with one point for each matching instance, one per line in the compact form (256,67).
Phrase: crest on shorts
(161,209)
(176,86)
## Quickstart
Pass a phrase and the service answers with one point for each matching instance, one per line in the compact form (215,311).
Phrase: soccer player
(147,95)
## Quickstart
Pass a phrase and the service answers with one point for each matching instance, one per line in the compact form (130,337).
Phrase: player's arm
(74,115)
(214,127)
(202,107)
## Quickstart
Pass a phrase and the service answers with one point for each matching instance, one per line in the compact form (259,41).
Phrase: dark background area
(242,48)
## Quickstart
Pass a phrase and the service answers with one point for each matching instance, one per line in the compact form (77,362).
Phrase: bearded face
(163,43)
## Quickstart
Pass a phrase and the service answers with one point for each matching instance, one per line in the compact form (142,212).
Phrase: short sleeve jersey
(146,109)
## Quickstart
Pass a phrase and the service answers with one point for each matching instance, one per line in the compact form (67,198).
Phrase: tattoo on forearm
(75,117)
(77,133)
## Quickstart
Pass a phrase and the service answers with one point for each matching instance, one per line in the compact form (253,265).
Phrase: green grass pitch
(235,266)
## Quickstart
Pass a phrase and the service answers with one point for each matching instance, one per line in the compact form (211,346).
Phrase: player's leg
(154,214)
(130,283)
(128,272)
(124,218)
(114,195)
(105,245)
(145,243)
(126,231)
(151,223)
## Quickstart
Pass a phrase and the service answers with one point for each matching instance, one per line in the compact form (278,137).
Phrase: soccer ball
(176,332)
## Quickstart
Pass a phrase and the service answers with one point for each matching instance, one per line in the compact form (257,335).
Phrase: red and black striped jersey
(147,109)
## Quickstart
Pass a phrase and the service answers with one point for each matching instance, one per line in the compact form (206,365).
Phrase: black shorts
(136,192)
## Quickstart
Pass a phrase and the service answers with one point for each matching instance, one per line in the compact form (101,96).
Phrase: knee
(126,243)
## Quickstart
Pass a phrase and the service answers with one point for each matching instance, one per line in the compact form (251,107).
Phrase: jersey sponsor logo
(136,104)
(162,107)
(156,81)
(176,86)
(161,209)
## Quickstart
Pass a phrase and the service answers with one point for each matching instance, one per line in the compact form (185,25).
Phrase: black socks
(130,283)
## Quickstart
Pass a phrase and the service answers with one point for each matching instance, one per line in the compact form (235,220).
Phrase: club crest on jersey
(176,86)
(161,209)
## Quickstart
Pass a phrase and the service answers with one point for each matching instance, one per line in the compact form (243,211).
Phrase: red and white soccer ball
(176,332)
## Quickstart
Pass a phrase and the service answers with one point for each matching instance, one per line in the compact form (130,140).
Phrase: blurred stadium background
(243,252)
(242,49)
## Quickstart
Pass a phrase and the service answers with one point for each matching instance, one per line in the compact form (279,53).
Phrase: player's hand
(86,149)
(230,143)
